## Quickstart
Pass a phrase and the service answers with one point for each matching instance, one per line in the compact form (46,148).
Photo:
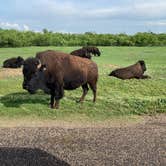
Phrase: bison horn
(39,65)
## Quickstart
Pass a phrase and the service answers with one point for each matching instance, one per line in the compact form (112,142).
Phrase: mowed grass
(115,97)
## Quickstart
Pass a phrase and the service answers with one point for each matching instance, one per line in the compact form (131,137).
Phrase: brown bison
(13,62)
(134,71)
(93,50)
(81,53)
(55,71)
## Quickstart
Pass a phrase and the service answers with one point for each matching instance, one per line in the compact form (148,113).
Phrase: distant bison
(134,71)
(56,71)
(93,50)
(81,53)
(13,62)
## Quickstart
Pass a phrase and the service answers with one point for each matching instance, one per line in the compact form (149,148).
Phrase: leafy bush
(14,38)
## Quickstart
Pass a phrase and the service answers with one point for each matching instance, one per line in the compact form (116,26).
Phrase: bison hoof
(54,107)
(79,101)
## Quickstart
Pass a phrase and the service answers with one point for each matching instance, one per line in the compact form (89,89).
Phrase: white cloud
(156,23)
(138,10)
(7,25)
(151,9)
(70,15)
(101,13)
(37,31)
(44,10)
(26,27)
(54,7)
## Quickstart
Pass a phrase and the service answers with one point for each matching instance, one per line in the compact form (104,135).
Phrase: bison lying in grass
(55,71)
(13,62)
(81,53)
(134,71)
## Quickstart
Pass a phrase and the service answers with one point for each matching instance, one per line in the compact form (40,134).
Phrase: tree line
(15,38)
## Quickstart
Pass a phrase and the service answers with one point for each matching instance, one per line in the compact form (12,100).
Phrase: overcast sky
(79,16)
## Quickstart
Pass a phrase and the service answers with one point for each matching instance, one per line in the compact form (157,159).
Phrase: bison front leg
(54,103)
(56,94)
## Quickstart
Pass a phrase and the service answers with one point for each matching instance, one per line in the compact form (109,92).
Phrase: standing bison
(82,52)
(55,71)
(93,50)
(134,71)
(13,62)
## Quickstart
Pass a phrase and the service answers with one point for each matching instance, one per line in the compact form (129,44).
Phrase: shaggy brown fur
(134,71)
(93,50)
(81,53)
(13,62)
(60,71)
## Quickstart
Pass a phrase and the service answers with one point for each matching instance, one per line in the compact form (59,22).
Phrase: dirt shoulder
(121,121)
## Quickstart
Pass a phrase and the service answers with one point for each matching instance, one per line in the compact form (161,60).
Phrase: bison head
(143,66)
(20,60)
(38,81)
(32,78)
(96,51)
(29,69)
(93,50)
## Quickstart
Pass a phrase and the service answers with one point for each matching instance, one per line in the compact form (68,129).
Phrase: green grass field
(114,97)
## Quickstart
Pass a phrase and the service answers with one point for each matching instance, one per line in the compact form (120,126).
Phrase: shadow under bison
(28,157)
(17,99)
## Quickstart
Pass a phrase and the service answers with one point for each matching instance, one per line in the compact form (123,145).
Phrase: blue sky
(78,16)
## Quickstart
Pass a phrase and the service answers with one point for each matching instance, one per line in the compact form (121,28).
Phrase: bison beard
(57,71)
(134,71)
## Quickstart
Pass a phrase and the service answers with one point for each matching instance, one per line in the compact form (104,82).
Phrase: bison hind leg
(85,91)
(145,77)
(94,89)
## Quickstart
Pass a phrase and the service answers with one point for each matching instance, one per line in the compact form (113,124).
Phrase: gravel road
(142,144)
